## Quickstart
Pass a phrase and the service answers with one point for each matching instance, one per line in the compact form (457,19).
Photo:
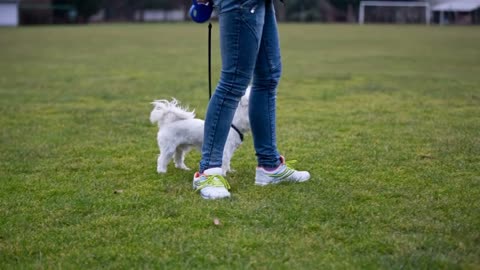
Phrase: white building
(440,11)
(466,10)
(9,12)
(158,15)
(455,5)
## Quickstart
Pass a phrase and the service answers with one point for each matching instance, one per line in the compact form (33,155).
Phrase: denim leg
(262,106)
(240,35)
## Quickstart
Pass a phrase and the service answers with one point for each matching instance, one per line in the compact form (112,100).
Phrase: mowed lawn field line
(385,118)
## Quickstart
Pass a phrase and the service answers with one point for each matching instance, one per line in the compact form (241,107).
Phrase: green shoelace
(289,163)
(214,181)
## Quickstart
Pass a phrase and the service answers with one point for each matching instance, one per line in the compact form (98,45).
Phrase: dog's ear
(174,102)
(160,104)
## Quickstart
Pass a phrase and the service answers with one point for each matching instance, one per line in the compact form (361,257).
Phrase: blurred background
(26,12)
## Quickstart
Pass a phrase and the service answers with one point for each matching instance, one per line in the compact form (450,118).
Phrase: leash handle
(209,60)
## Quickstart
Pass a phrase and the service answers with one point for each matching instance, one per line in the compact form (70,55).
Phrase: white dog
(179,132)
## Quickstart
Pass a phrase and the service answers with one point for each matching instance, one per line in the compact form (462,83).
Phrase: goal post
(402,4)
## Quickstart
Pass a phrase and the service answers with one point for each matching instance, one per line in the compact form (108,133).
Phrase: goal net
(394,12)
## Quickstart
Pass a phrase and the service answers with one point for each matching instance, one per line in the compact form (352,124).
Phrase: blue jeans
(250,54)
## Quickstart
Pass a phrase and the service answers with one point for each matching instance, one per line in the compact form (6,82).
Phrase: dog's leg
(163,159)
(227,156)
(179,158)
(161,166)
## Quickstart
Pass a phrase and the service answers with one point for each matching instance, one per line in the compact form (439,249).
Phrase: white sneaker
(284,173)
(211,184)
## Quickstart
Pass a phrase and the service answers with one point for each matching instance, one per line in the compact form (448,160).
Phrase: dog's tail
(165,112)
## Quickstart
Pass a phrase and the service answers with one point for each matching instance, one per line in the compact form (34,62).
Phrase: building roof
(456,5)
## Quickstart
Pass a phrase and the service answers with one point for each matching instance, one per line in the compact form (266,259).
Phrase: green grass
(386,119)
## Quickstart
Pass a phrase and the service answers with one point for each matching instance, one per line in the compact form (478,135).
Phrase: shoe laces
(289,164)
(213,181)
(286,172)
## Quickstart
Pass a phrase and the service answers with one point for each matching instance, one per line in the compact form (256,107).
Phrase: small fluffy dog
(179,132)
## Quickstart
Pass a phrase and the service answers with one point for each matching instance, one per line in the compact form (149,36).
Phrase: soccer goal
(394,12)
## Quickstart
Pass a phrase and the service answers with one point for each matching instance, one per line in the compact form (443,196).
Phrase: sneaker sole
(262,184)
(216,198)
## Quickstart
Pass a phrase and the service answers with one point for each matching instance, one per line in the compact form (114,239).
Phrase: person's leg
(271,168)
(262,107)
(240,32)
(241,24)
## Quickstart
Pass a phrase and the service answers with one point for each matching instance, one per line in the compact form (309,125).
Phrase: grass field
(386,119)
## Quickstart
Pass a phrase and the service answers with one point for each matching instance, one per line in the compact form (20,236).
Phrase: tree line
(292,10)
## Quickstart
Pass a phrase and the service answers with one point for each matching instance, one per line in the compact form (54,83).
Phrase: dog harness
(240,134)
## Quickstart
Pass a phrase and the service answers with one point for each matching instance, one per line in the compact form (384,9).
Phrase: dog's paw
(227,170)
(160,170)
(183,167)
